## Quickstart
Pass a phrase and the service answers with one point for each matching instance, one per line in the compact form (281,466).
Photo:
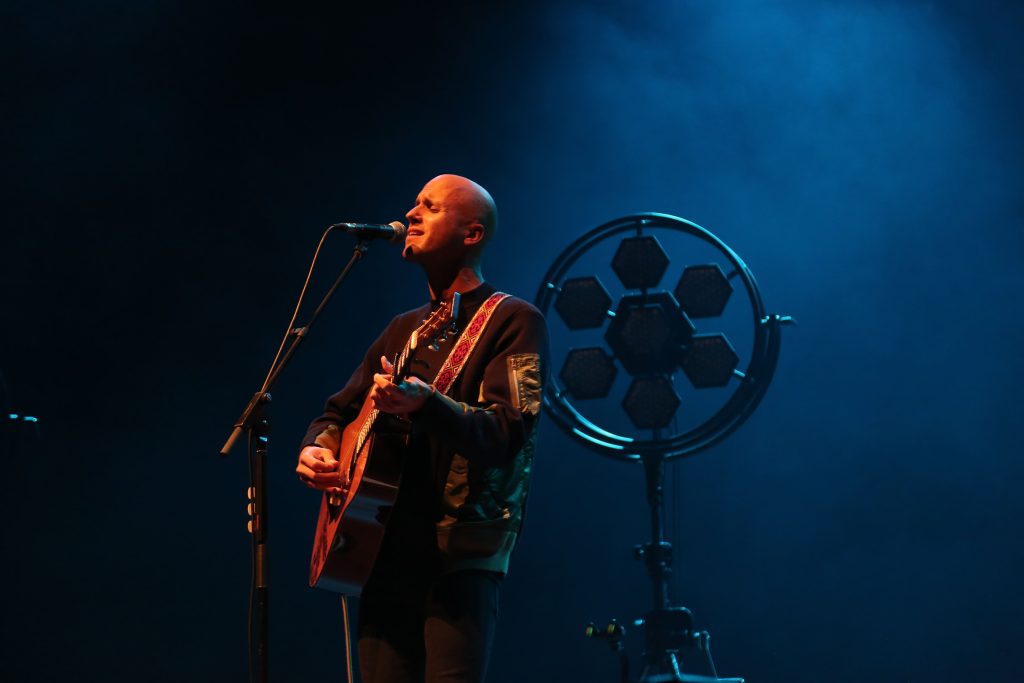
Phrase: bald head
(470,199)
(450,224)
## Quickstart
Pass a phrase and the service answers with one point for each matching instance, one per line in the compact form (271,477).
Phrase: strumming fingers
(314,464)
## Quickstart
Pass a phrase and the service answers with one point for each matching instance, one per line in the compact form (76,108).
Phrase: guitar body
(351,525)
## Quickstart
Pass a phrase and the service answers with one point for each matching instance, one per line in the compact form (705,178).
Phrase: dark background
(168,168)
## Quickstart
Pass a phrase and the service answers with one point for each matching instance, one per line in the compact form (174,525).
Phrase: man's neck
(464,279)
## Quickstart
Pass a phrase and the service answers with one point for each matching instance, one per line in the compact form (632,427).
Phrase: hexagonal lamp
(703,291)
(588,373)
(583,302)
(640,262)
(651,402)
(647,331)
(709,360)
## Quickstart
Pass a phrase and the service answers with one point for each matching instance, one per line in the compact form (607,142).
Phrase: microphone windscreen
(400,230)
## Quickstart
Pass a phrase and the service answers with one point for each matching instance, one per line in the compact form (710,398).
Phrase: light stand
(668,629)
(651,335)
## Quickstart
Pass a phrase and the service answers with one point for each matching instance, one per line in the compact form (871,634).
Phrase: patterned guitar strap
(449,372)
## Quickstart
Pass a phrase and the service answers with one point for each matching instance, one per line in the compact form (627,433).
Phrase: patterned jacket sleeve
(494,429)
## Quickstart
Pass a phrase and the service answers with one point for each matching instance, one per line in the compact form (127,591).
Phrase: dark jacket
(481,436)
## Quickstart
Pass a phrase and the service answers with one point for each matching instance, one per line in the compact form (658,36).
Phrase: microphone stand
(257,425)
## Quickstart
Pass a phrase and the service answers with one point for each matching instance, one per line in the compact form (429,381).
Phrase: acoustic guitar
(351,524)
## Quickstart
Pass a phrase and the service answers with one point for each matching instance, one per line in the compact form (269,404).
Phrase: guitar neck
(399,368)
(435,322)
(402,360)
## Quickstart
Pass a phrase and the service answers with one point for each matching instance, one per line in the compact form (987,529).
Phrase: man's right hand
(319,469)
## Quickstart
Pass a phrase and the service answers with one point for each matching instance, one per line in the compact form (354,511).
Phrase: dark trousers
(428,629)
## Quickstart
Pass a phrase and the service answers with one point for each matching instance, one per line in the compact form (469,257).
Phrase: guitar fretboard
(371,418)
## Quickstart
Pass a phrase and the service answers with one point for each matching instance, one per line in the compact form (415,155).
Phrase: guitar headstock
(441,318)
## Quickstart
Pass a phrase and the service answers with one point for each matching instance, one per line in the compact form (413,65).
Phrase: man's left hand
(401,399)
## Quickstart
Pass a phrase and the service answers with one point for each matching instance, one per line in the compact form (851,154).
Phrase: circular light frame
(754,378)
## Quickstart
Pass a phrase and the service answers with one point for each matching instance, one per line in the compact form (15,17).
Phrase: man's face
(437,224)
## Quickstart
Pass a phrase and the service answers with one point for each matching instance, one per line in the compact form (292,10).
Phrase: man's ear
(475,234)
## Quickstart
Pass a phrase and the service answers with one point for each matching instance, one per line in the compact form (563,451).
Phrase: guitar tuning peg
(435,346)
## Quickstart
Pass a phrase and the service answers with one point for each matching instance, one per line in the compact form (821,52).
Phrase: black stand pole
(259,628)
(257,425)
(668,628)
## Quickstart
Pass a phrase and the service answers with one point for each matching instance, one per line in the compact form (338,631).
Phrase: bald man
(429,610)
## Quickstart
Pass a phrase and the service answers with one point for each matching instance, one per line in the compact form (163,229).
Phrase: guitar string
(364,431)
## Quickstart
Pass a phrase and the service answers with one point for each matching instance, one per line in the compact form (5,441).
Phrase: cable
(298,306)
(252,466)
(263,388)
(348,640)
(676,531)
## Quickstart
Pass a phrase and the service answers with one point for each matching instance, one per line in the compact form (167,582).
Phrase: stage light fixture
(640,262)
(709,360)
(651,402)
(703,291)
(583,302)
(652,336)
(588,373)
(647,333)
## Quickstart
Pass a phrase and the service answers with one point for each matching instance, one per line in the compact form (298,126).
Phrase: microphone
(391,232)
